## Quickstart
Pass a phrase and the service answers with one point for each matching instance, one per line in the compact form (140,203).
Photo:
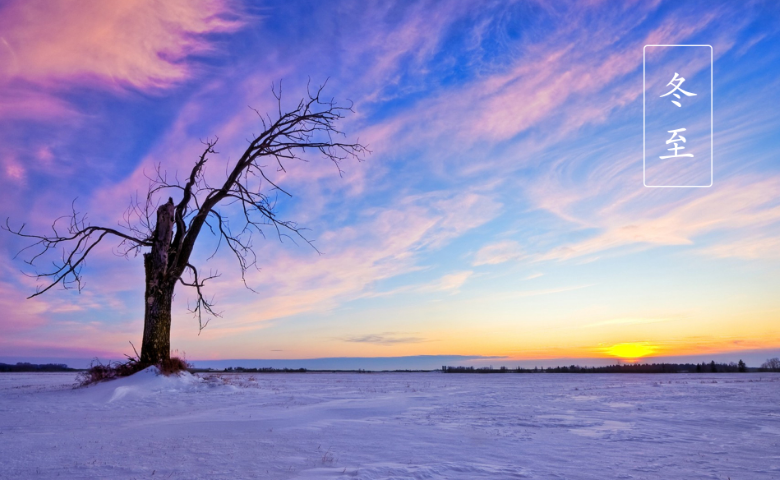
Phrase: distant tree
(741,365)
(713,367)
(232,211)
(31,367)
(772,364)
(698,368)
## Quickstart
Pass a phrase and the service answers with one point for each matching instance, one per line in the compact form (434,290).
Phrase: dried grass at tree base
(173,365)
(99,372)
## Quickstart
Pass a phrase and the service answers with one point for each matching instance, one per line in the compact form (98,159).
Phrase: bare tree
(172,235)
(772,364)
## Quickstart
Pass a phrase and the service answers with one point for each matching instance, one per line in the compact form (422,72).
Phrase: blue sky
(501,212)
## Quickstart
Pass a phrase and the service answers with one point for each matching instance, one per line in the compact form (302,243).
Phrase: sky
(502,215)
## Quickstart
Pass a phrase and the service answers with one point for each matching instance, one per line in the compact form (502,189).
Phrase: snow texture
(392,426)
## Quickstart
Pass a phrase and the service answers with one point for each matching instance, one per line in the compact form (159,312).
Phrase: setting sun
(631,351)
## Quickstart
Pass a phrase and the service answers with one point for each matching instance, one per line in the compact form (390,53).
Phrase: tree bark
(156,345)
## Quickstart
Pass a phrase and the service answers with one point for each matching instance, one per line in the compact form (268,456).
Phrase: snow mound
(145,383)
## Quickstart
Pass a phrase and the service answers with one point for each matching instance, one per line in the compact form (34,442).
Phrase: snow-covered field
(393,426)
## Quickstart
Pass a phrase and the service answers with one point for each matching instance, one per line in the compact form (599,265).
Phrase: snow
(392,426)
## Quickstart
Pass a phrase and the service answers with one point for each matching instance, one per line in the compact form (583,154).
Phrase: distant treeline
(623,368)
(263,370)
(296,370)
(31,367)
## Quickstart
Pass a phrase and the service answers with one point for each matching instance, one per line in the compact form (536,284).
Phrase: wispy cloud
(46,48)
(739,204)
(447,283)
(356,257)
(573,78)
(498,253)
(384,339)
(134,43)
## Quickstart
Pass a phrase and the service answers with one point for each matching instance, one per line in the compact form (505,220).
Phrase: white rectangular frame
(644,111)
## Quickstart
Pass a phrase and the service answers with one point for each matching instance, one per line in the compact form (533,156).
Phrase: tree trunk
(156,344)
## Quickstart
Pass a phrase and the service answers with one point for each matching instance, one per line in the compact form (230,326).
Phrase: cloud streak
(126,43)
(384,339)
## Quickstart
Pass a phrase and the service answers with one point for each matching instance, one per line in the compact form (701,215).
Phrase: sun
(631,351)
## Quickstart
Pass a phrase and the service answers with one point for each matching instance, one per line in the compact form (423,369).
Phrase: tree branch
(81,238)
(201,303)
(309,128)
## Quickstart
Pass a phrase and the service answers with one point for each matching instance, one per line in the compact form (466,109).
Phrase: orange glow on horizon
(631,351)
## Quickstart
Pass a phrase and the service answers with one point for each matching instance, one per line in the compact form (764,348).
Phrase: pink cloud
(741,204)
(577,76)
(386,243)
(20,316)
(755,246)
(23,104)
(45,46)
(378,49)
(499,252)
(13,170)
(39,325)
(27,348)
(130,42)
